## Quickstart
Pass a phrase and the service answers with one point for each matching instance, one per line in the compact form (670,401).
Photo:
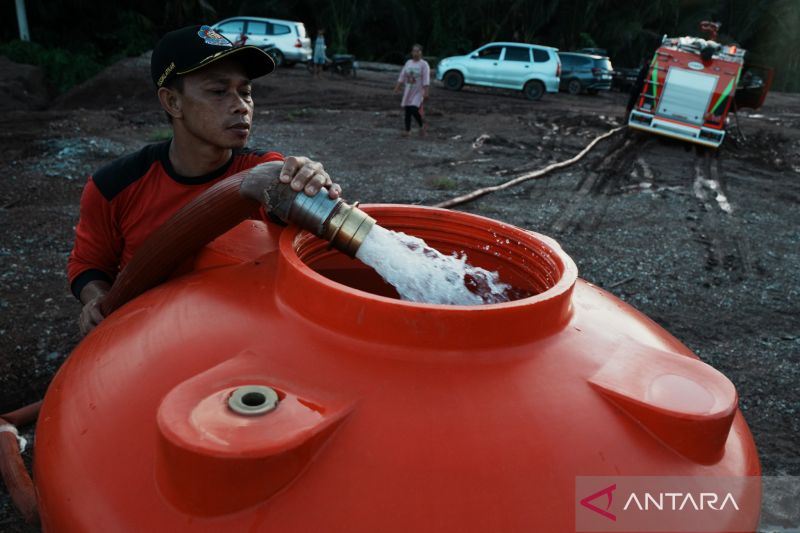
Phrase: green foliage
(81,34)
(131,35)
(585,41)
(443,183)
(160,134)
(775,42)
(63,68)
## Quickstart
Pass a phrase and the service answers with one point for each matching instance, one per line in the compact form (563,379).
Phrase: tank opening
(254,399)
(526,263)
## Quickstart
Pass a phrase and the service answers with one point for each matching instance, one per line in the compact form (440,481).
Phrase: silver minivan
(530,68)
(289,38)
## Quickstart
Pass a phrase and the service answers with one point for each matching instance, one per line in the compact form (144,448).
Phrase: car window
(566,61)
(603,63)
(234,26)
(280,29)
(517,53)
(257,28)
(541,56)
(492,52)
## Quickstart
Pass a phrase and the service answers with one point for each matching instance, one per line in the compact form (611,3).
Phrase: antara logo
(666,503)
(609,493)
(659,501)
(678,501)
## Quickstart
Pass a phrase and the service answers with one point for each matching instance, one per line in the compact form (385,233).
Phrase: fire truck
(691,86)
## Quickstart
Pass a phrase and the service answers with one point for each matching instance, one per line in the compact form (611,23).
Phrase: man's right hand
(91,296)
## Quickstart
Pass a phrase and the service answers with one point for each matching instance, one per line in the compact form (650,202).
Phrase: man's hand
(91,316)
(303,174)
(91,296)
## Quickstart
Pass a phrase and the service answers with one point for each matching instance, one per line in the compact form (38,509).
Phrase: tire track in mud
(718,228)
(602,180)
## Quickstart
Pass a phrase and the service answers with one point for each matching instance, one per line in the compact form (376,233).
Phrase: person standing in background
(416,75)
(319,52)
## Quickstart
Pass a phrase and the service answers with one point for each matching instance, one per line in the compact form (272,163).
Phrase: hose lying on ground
(529,175)
(15,476)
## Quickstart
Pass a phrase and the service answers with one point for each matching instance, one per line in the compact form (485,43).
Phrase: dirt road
(704,243)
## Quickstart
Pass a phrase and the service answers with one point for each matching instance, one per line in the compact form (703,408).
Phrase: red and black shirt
(125,201)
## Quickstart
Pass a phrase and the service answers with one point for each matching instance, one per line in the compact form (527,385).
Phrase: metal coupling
(343,225)
(311,212)
(347,228)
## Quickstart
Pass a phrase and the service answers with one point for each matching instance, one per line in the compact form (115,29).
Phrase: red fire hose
(202,220)
(15,475)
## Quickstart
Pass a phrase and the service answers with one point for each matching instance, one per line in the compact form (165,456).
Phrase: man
(204,85)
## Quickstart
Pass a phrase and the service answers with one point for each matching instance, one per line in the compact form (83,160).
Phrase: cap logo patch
(212,37)
(167,72)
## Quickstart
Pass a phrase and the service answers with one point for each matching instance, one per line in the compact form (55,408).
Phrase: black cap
(188,49)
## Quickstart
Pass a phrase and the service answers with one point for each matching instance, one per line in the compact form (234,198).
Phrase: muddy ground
(704,243)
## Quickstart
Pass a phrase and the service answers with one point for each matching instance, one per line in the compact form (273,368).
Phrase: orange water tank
(282,386)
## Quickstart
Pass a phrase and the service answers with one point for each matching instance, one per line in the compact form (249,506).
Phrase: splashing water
(422,274)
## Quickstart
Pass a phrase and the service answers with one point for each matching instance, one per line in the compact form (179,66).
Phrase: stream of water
(423,274)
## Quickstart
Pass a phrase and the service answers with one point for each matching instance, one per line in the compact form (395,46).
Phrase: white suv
(289,39)
(529,68)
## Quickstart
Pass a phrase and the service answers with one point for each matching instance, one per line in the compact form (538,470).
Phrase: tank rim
(326,301)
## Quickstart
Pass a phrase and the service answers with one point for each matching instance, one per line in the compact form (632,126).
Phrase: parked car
(623,79)
(585,72)
(289,38)
(529,68)
(593,51)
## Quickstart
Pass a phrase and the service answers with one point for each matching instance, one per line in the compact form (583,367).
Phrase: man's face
(416,53)
(217,104)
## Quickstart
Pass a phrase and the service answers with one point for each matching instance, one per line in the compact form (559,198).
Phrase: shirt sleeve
(251,158)
(98,242)
(272,156)
(401,78)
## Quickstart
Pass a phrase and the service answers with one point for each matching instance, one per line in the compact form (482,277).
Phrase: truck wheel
(574,87)
(533,90)
(453,80)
